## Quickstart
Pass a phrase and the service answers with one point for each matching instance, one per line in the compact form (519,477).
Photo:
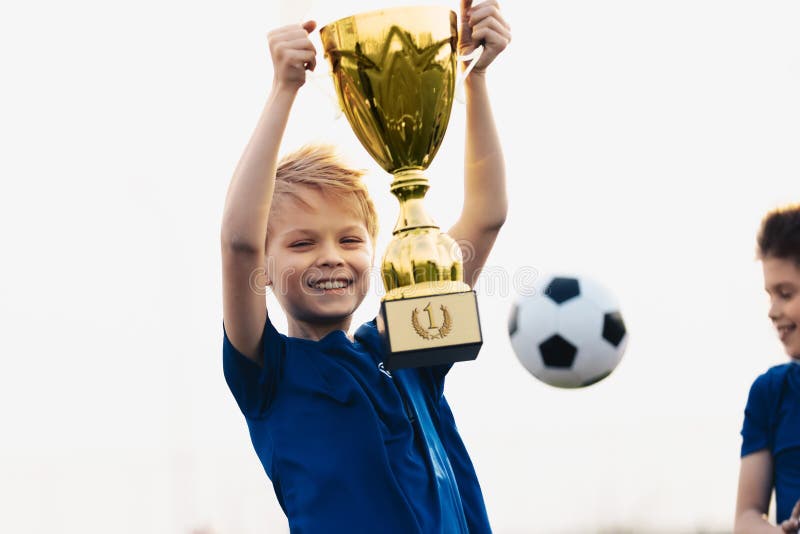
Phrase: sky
(644,141)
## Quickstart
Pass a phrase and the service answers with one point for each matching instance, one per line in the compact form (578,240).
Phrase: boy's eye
(351,240)
(300,244)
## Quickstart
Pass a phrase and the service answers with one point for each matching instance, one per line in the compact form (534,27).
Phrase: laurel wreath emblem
(447,325)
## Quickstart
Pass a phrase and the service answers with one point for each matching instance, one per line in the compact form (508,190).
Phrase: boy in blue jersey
(349,446)
(771,431)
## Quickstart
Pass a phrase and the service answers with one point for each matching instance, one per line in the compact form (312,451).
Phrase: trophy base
(430,330)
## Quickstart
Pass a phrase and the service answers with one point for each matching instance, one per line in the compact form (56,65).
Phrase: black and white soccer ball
(567,330)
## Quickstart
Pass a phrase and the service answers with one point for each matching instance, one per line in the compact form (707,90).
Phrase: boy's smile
(782,283)
(319,254)
(334,285)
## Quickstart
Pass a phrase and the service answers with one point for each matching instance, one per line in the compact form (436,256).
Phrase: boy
(771,430)
(349,447)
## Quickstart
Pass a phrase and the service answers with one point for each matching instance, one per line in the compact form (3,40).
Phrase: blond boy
(349,447)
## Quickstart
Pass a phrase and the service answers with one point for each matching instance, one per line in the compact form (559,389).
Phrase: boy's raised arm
(244,219)
(243,231)
(485,201)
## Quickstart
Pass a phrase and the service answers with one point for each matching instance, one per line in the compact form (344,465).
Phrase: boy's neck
(316,331)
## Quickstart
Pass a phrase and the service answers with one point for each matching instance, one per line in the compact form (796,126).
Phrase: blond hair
(320,166)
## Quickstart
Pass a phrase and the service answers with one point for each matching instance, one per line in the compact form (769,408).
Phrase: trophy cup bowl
(394,72)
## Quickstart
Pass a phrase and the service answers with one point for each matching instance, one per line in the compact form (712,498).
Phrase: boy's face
(318,257)
(782,282)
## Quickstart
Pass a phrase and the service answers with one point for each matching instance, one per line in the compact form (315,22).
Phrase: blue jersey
(772,422)
(349,446)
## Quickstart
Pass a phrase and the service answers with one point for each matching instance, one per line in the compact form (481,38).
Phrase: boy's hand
(292,54)
(792,524)
(483,24)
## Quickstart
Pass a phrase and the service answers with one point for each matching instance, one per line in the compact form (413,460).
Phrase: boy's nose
(774,310)
(329,257)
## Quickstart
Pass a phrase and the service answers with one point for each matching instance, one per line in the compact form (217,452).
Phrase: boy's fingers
(300,59)
(492,34)
(483,3)
(291,31)
(309,26)
(465,5)
(293,36)
(796,510)
(284,30)
(790,525)
(465,20)
(293,52)
(303,43)
(492,25)
(485,11)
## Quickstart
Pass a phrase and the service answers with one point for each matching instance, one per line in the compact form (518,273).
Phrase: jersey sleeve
(755,430)
(252,385)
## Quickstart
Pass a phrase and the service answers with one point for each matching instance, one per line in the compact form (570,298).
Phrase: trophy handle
(473,58)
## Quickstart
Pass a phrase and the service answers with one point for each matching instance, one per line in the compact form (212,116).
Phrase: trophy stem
(410,186)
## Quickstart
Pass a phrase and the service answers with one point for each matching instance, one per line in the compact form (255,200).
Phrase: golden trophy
(395,72)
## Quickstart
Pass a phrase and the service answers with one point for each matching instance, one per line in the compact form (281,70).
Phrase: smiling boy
(349,447)
(771,431)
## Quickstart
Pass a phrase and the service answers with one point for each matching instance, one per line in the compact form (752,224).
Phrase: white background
(644,141)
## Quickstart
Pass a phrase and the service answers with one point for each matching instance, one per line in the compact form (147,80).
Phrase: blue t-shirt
(349,446)
(772,422)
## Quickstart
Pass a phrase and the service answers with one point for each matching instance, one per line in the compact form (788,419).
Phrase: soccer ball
(568,332)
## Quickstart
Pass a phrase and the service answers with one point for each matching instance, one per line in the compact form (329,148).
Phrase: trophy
(395,72)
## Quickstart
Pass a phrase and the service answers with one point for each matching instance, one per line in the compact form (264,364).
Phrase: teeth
(330,285)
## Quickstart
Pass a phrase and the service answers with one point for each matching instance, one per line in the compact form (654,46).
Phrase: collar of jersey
(334,336)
